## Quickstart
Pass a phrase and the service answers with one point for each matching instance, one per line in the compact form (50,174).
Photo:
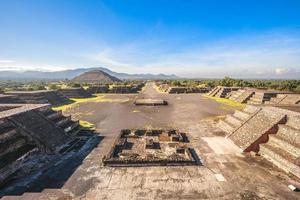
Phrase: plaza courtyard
(225,172)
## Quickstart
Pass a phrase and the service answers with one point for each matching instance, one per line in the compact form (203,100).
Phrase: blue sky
(245,39)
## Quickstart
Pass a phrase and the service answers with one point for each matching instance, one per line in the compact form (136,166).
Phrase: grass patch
(99,98)
(87,125)
(227,103)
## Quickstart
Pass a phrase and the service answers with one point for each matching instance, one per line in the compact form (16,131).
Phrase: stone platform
(150,148)
(150,102)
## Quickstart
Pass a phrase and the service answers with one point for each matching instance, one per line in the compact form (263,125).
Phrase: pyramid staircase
(233,122)
(214,91)
(221,91)
(285,99)
(283,148)
(270,131)
(241,95)
(64,122)
(260,98)
(41,97)
(224,91)
(14,145)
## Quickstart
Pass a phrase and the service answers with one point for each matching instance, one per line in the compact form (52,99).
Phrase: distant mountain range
(70,74)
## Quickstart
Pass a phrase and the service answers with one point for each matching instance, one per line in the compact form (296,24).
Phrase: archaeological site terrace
(151,148)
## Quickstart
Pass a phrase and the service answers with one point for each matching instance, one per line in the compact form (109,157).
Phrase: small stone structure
(263,96)
(285,99)
(241,95)
(180,90)
(150,102)
(150,148)
(123,89)
(270,131)
(221,91)
(40,97)
(98,89)
(78,92)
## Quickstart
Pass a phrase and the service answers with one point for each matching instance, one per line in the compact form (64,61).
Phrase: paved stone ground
(226,173)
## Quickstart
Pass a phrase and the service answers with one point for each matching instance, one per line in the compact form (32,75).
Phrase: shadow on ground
(58,174)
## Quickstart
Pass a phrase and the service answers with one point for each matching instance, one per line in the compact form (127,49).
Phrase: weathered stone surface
(256,127)
(75,92)
(41,97)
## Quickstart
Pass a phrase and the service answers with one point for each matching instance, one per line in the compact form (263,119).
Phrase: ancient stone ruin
(78,92)
(255,96)
(150,102)
(40,97)
(98,89)
(33,137)
(180,90)
(123,89)
(221,91)
(270,131)
(5,98)
(150,148)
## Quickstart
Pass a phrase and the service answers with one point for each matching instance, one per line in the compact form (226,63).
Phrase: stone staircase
(13,146)
(224,91)
(214,91)
(232,122)
(41,97)
(270,131)
(243,98)
(261,97)
(251,126)
(283,148)
(235,94)
(285,99)
(64,122)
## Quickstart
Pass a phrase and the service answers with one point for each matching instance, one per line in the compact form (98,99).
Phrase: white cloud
(280,71)
(248,56)
(7,61)
(254,56)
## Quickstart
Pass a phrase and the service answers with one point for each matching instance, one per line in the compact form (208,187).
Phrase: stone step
(243,98)
(214,91)
(63,120)
(280,159)
(241,115)
(8,134)
(250,109)
(276,140)
(233,120)
(290,134)
(54,115)
(225,126)
(254,102)
(294,122)
(70,126)
(5,129)
(250,134)
(257,99)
